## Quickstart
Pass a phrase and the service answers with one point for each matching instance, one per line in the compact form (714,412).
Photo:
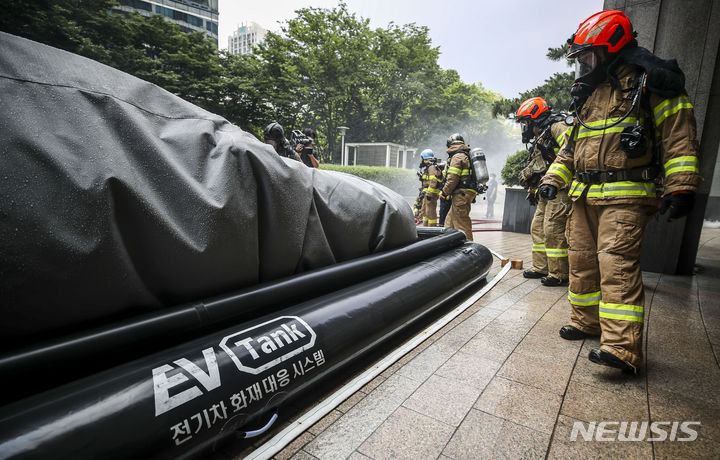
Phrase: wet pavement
(498,382)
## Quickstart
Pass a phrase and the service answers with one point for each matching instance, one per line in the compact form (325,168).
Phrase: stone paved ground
(498,382)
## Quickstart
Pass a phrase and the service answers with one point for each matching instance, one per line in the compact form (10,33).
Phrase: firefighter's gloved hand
(444,197)
(547,191)
(677,204)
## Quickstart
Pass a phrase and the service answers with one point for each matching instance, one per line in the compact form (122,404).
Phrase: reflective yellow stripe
(669,107)
(584,132)
(576,188)
(426,177)
(622,188)
(561,170)
(433,190)
(621,311)
(659,108)
(609,121)
(559,140)
(465,172)
(453,170)
(556,252)
(672,111)
(561,137)
(686,163)
(584,300)
(432,221)
(538,247)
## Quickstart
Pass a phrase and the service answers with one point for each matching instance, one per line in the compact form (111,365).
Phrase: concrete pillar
(687,31)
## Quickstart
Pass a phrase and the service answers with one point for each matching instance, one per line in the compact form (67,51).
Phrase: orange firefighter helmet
(531,109)
(609,28)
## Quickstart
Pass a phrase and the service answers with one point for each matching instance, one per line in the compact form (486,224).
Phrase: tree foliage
(515,163)
(384,83)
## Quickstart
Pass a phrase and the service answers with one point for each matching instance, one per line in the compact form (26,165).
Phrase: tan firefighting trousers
(429,210)
(606,289)
(549,251)
(459,215)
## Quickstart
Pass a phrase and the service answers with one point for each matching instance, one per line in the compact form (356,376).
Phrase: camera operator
(275,135)
(304,147)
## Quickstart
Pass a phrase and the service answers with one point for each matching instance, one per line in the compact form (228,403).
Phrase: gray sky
(499,43)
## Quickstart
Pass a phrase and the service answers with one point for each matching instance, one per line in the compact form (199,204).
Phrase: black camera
(297,137)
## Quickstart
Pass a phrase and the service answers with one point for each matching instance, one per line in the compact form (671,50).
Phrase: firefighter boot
(552,281)
(572,333)
(530,273)
(605,358)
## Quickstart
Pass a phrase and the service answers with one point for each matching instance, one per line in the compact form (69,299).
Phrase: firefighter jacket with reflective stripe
(670,121)
(431,177)
(459,175)
(546,150)
(552,140)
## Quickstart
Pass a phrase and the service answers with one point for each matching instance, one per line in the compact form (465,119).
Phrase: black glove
(678,204)
(547,191)
(444,197)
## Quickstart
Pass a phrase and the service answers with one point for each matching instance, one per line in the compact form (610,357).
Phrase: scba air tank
(479,166)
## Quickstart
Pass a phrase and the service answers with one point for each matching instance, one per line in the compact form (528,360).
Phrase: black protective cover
(183,401)
(119,198)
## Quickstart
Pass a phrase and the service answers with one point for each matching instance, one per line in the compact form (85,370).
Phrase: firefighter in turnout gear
(431,176)
(460,186)
(445,202)
(545,131)
(634,128)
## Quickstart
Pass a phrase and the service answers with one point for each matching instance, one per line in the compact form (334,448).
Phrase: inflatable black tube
(123,341)
(180,402)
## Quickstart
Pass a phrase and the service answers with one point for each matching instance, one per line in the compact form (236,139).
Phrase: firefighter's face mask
(526,128)
(585,64)
(589,72)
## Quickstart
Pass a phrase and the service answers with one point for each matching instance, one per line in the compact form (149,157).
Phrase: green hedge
(511,171)
(403,181)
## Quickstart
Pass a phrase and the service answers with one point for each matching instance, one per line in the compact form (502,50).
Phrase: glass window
(137,4)
(194,20)
(164,11)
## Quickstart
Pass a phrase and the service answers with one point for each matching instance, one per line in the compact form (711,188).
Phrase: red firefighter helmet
(609,28)
(531,109)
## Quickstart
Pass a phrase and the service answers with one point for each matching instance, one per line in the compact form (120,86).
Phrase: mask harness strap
(636,102)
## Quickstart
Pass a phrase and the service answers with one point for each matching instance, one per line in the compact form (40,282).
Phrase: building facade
(245,38)
(191,16)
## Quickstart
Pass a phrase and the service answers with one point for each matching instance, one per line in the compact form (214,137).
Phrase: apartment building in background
(245,38)
(191,16)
